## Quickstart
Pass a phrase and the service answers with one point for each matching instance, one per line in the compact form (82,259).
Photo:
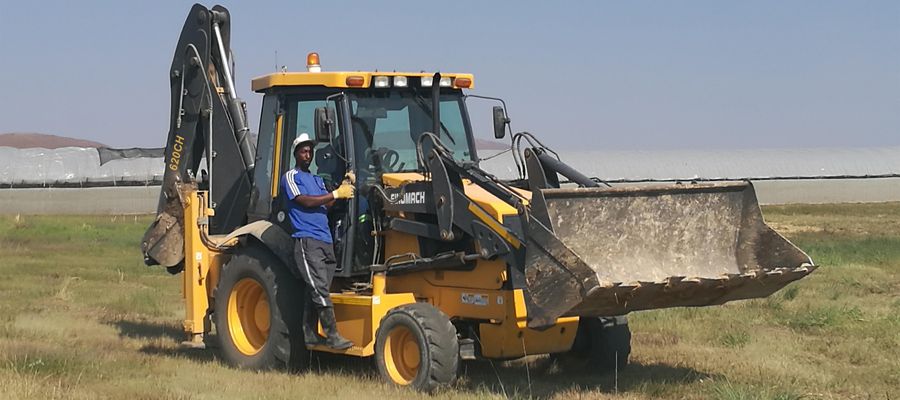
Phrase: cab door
(330,162)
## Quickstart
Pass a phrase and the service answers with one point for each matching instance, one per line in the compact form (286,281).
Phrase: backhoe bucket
(163,242)
(610,251)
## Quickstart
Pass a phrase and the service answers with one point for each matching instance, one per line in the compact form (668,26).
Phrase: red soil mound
(29,140)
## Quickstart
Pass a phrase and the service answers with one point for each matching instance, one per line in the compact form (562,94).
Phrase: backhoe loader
(439,261)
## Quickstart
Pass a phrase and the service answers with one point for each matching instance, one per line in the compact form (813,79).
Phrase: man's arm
(314,201)
(345,191)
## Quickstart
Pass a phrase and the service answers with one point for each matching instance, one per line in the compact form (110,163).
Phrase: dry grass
(81,317)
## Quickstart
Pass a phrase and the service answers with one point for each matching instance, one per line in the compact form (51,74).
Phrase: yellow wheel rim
(401,355)
(248,316)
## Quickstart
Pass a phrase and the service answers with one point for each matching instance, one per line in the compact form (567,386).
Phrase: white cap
(302,138)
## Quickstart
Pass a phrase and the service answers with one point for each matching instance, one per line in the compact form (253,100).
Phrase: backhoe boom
(207,120)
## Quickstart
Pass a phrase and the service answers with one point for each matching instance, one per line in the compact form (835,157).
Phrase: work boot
(311,326)
(335,340)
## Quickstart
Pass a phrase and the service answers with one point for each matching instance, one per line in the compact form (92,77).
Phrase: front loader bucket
(610,251)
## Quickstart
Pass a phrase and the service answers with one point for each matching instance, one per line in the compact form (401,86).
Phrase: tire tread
(442,348)
(285,348)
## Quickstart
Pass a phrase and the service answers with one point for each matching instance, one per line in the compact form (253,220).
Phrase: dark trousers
(316,263)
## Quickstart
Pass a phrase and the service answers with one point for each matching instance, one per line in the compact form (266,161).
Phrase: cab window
(326,162)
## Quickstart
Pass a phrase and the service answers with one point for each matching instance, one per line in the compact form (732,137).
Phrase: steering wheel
(388,159)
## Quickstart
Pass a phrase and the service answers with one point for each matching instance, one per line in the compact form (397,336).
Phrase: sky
(579,75)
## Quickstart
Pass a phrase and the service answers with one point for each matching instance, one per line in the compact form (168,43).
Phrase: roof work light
(381,82)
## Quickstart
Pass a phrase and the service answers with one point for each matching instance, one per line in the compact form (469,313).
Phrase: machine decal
(474,299)
(409,198)
(176,153)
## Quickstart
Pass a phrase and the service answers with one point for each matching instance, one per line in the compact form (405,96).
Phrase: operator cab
(376,121)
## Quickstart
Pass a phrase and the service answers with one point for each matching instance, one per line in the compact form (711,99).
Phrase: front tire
(416,345)
(258,313)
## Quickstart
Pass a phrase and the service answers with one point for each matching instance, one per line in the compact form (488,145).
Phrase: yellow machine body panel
(397,179)
(505,335)
(358,318)
(400,243)
(478,294)
(338,79)
(201,269)
(490,203)
(511,338)
(472,293)
(486,275)
(276,155)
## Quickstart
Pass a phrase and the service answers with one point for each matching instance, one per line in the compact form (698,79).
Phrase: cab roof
(339,79)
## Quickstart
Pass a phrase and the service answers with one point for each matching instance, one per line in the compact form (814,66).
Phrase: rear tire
(416,345)
(255,332)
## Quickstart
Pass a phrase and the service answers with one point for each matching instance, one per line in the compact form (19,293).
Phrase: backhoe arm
(207,119)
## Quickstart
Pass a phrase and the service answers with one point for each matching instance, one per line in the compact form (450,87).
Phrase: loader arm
(207,120)
(604,251)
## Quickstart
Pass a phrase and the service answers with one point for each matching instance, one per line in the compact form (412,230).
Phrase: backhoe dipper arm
(206,118)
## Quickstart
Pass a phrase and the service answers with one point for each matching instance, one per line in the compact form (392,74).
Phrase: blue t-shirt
(307,222)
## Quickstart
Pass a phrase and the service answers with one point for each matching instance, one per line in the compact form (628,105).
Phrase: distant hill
(30,140)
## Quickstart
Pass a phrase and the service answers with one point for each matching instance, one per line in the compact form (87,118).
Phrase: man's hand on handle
(345,191)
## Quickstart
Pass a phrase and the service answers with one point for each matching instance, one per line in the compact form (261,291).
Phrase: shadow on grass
(140,329)
(537,377)
(203,355)
(545,377)
(335,364)
(548,377)
(159,334)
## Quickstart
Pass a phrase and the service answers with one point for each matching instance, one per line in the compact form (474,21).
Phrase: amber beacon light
(312,62)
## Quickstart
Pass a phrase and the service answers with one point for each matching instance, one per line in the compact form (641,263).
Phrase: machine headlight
(427,81)
(400,81)
(445,82)
(381,82)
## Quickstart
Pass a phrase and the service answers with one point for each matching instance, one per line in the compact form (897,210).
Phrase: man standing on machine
(307,204)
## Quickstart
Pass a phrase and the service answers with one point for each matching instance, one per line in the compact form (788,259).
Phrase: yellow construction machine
(439,261)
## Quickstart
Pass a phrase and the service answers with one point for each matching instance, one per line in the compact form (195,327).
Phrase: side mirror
(324,124)
(500,122)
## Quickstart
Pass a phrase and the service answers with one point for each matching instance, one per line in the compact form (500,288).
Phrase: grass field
(82,317)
